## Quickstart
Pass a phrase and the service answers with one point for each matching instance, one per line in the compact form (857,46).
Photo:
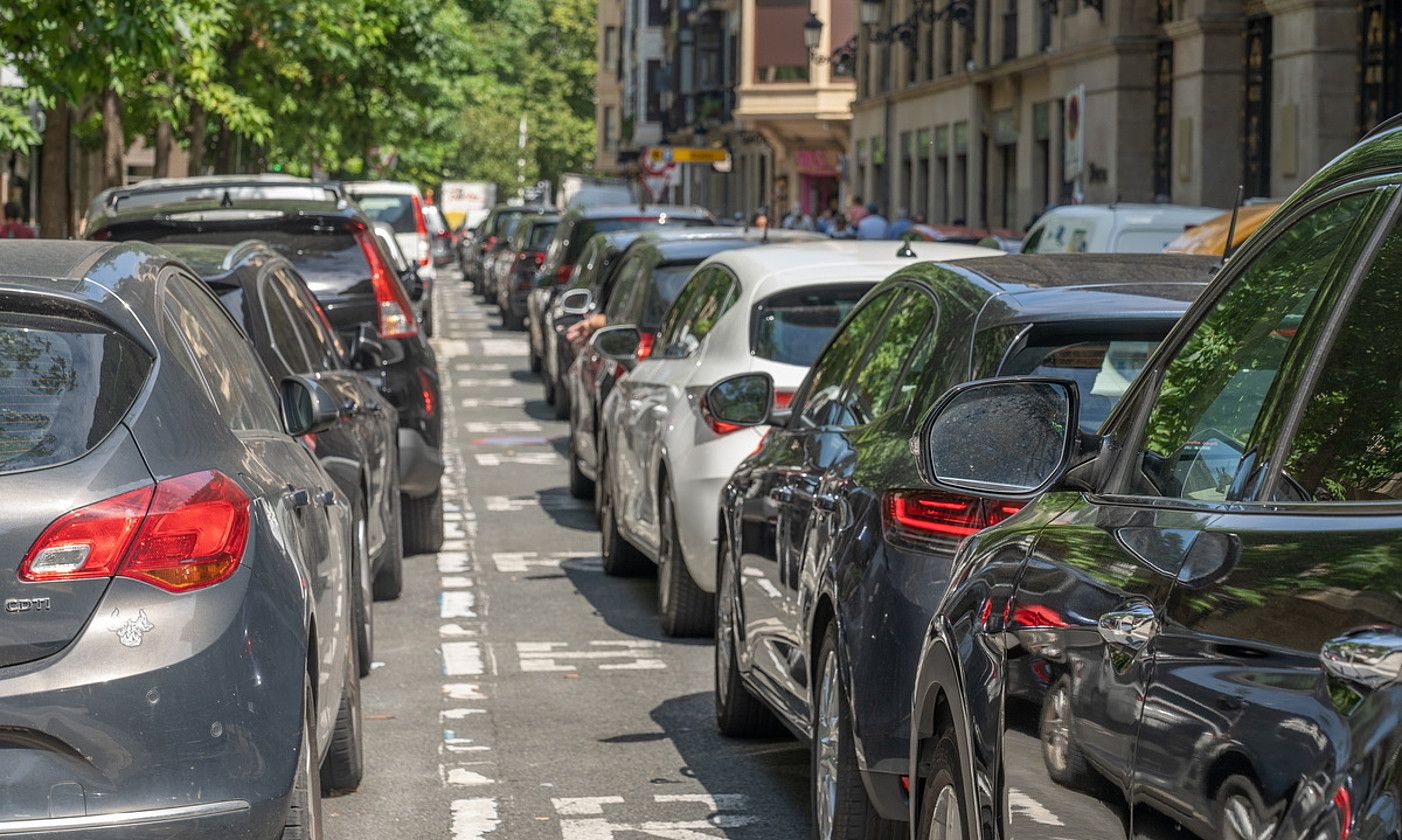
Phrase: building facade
(987,111)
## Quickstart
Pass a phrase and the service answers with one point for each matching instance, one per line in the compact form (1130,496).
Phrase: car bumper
(420,464)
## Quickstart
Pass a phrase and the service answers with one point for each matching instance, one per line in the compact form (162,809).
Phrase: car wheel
(621,558)
(428,322)
(364,600)
(1241,815)
(581,487)
(739,714)
(1066,764)
(303,820)
(841,809)
(422,522)
(687,609)
(344,766)
(559,398)
(942,806)
(389,580)
(536,363)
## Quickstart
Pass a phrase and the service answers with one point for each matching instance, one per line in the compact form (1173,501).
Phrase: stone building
(987,111)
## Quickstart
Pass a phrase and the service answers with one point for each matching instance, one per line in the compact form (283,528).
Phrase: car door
(774,514)
(1098,611)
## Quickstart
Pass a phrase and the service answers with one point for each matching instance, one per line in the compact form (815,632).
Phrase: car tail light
(782,399)
(645,342)
(923,515)
(487,245)
(184,533)
(427,390)
(562,274)
(421,228)
(1344,802)
(393,312)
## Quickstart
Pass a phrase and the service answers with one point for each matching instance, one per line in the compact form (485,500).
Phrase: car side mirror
(307,407)
(617,343)
(413,284)
(366,351)
(746,399)
(576,302)
(1010,438)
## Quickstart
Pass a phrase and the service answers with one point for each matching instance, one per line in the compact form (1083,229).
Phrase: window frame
(1128,421)
(703,274)
(931,325)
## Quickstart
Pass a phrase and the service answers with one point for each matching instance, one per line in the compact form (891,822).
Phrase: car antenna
(1231,226)
(227,200)
(905,252)
(764,236)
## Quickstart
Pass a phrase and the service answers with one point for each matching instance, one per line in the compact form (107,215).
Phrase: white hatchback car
(770,308)
(1112,228)
(401,205)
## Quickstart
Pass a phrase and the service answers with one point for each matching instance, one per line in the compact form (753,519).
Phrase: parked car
(551,353)
(240,188)
(649,275)
(408,274)
(333,246)
(834,552)
(1204,605)
(402,206)
(666,459)
(1210,237)
(175,633)
(293,337)
(516,266)
(494,232)
(579,224)
(440,237)
(1111,228)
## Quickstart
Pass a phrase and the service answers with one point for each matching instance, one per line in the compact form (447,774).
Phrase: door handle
(298,498)
(327,498)
(1371,656)
(782,494)
(1131,626)
(828,502)
(350,408)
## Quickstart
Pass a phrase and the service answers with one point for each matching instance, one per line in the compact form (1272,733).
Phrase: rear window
(1102,366)
(65,383)
(793,326)
(1061,237)
(506,222)
(541,235)
(331,258)
(667,282)
(585,229)
(395,210)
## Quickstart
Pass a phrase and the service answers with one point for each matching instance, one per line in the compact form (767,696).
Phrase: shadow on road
(566,510)
(539,410)
(628,605)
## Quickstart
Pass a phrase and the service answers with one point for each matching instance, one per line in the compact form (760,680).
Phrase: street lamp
(871,12)
(841,59)
(812,31)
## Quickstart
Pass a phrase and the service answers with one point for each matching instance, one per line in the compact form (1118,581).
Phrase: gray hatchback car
(176,654)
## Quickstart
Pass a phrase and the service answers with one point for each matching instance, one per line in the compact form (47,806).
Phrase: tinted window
(830,372)
(288,351)
(323,347)
(694,314)
(237,380)
(1061,236)
(585,229)
(541,234)
(1203,429)
(331,257)
(1348,447)
(395,210)
(64,384)
(505,222)
(878,384)
(619,303)
(1101,366)
(666,283)
(792,326)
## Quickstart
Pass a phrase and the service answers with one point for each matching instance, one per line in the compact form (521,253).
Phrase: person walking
(856,212)
(14,227)
(873,225)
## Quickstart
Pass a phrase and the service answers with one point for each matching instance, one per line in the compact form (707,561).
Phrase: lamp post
(812,31)
(843,59)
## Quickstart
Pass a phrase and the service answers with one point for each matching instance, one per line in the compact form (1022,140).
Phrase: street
(518,692)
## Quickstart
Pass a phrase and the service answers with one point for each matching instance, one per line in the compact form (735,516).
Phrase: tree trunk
(114,169)
(165,139)
(53,175)
(223,150)
(198,120)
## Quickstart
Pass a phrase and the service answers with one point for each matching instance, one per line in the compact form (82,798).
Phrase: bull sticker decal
(132,631)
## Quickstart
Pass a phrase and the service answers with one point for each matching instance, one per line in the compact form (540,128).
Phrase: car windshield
(396,210)
(793,326)
(65,383)
(1102,366)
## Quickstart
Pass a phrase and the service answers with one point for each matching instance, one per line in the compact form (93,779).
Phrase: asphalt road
(518,692)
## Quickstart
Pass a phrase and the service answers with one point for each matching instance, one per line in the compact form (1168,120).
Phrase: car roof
(696,244)
(608,211)
(1378,154)
(851,256)
(46,260)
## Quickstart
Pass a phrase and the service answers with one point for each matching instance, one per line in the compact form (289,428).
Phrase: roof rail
(115,196)
(1386,125)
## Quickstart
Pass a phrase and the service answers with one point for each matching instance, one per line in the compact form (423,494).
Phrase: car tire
(389,580)
(841,808)
(942,801)
(303,820)
(428,322)
(581,486)
(739,714)
(536,363)
(422,521)
(364,598)
(621,558)
(1065,763)
(559,398)
(344,766)
(1239,812)
(687,610)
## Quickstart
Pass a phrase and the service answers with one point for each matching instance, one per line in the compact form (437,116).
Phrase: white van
(1112,228)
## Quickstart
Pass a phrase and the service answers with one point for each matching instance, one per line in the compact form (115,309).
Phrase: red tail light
(184,533)
(394,314)
(562,274)
(782,399)
(922,515)
(487,246)
(1344,802)
(420,226)
(718,426)
(645,341)
(426,389)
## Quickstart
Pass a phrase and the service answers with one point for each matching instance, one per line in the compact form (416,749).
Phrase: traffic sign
(687,154)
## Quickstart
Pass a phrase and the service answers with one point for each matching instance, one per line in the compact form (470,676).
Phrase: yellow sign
(686,154)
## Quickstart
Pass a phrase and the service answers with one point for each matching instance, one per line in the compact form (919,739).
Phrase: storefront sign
(823,162)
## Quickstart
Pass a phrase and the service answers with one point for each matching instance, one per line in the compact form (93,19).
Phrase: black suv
(1195,628)
(332,246)
(475,250)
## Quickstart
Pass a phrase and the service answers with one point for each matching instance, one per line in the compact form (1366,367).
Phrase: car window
(306,320)
(792,326)
(1143,240)
(1102,366)
(395,210)
(1061,236)
(237,381)
(65,383)
(290,353)
(585,229)
(897,356)
(660,290)
(1204,428)
(619,304)
(541,234)
(710,293)
(1348,446)
(831,370)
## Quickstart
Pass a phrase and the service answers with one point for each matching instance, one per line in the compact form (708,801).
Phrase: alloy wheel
(1243,821)
(367,578)
(1056,729)
(825,738)
(946,823)
(725,627)
(665,548)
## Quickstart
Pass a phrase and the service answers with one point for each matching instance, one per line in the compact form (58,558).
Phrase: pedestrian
(823,224)
(840,229)
(856,212)
(899,227)
(14,227)
(873,225)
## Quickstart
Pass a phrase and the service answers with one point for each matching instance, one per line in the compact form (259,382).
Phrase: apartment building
(986,111)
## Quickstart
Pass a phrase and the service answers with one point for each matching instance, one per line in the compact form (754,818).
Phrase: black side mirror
(1012,437)
(366,351)
(307,407)
(577,302)
(746,399)
(413,284)
(617,343)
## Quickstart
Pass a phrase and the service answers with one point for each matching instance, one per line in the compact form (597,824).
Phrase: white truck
(592,190)
(467,200)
